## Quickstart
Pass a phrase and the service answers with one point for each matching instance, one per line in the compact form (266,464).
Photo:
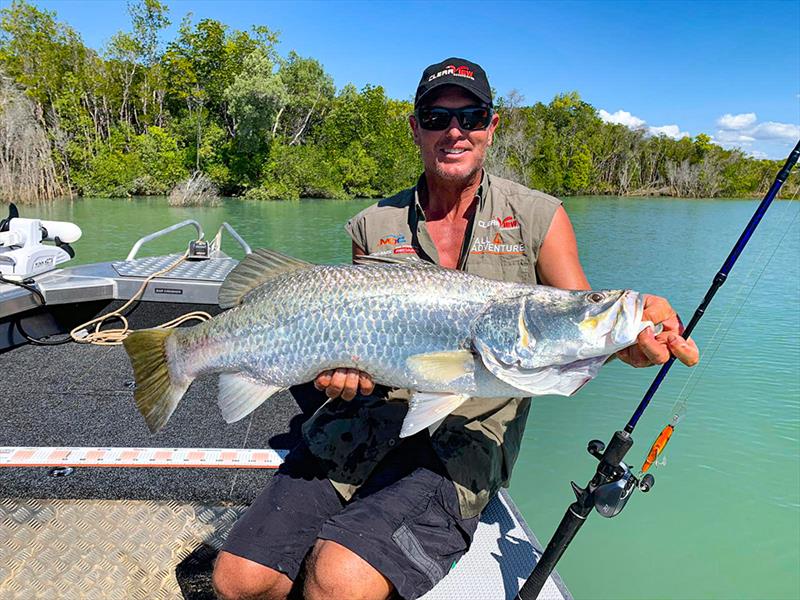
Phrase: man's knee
(237,578)
(334,572)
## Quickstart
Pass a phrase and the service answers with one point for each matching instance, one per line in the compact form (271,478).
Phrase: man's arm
(559,266)
(345,383)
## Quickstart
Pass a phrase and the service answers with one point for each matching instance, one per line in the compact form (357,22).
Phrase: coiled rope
(114,337)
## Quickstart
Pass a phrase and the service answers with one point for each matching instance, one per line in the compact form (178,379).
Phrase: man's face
(453,154)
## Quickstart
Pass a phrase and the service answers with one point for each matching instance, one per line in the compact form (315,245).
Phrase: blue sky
(729,69)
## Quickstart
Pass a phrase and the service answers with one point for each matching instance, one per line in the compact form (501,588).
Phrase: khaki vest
(479,442)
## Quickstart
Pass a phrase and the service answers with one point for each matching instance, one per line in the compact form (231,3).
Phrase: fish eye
(595,297)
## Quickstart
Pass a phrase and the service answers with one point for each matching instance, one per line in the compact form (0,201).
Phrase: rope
(114,337)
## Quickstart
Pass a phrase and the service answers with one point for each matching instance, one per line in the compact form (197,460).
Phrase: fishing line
(244,443)
(681,405)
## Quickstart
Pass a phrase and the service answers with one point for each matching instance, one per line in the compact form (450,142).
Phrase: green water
(723,520)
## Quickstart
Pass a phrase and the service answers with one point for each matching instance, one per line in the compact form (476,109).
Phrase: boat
(95,506)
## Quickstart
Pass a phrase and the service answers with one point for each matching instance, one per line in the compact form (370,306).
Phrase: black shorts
(405,520)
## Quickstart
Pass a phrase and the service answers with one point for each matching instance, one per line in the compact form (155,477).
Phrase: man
(355,512)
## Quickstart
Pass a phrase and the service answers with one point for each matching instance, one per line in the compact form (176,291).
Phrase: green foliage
(255,98)
(309,93)
(301,171)
(145,164)
(579,171)
(144,114)
(37,51)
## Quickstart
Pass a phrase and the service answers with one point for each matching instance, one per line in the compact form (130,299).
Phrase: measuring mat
(70,456)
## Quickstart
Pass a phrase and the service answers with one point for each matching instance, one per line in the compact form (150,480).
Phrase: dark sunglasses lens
(434,119)
(474,118)
(438,118)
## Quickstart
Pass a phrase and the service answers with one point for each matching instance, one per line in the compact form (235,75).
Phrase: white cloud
(740,121)
(731,137)
(744,130)
(621,117)
(672,131)
(776,131)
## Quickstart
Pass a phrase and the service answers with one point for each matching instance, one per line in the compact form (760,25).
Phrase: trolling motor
(22,253)
(613,483)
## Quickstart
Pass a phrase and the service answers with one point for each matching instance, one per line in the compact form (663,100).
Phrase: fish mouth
(628,324)
(618,326)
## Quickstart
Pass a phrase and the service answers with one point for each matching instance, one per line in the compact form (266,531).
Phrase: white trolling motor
(22,253)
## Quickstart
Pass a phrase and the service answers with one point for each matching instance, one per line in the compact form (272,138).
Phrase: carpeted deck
(80,395)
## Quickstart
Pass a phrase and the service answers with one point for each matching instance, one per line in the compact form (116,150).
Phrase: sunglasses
(470,118)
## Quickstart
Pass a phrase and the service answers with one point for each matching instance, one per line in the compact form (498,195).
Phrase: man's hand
(344,383)
(656,349)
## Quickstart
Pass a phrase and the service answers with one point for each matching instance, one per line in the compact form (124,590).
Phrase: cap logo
(461,71)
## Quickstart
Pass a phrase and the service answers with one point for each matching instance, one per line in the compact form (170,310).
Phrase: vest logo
(500,223)
(460,71)
(404,250)
(393,240)
(487,246)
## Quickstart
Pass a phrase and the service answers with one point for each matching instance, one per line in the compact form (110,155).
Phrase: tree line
(142,116)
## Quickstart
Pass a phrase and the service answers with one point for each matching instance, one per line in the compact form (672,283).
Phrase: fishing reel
(614,483)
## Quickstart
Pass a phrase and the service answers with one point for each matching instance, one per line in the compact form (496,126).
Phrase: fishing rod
(614,482)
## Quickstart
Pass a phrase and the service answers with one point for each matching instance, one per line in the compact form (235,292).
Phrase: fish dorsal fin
(239,395)
(254,270)
(373,259)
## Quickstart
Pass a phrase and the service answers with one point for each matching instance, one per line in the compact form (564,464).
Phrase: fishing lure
(658,446)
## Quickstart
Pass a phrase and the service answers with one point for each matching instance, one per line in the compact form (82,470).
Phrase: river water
(723,520)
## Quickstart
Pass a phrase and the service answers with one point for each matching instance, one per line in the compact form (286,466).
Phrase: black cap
(455,71)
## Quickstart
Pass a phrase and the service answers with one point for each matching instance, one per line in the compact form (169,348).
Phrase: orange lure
(657,447)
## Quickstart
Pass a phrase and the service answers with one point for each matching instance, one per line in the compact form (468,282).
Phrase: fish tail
(158,387)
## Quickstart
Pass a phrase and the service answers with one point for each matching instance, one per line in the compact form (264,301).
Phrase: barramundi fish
(446,335)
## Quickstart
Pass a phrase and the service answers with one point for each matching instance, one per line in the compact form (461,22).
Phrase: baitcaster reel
(612,485)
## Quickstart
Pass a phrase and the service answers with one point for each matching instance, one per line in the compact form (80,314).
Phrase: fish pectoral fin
(239,395)
(441,367)
(254,270)
(426,409)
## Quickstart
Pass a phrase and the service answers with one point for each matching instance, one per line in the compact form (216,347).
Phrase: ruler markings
(230,458)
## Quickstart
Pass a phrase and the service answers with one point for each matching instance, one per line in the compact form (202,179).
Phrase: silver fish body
(445,334)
